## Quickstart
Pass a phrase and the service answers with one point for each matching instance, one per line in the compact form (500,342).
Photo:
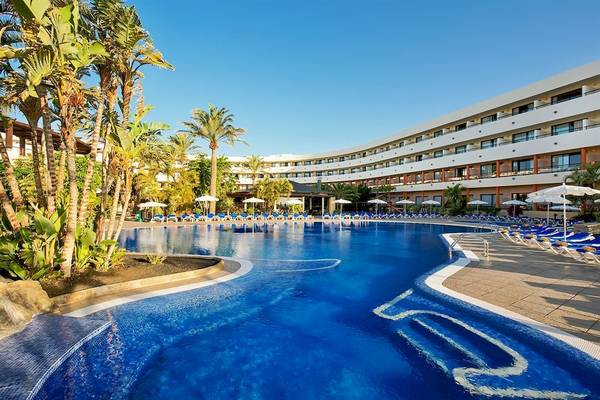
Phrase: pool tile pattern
(29,355)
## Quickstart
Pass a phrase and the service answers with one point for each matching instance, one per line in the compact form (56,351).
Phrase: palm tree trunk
(114,207)
(49,141)
(10,175)
(35,156)
(8,209)
(115,237)
(213,177)
(69,241)
(60,176)
(87,180)
(106,184)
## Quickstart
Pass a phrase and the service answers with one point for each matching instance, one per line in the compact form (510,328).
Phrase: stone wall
(19,302)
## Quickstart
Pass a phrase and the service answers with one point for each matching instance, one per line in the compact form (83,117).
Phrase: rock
(19,302)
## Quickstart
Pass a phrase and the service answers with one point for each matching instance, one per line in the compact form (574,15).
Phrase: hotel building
(498,149)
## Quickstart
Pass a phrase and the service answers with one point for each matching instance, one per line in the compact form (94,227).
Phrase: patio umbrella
(206,199)
(431,203)
(377,202)
(341,202)
(547,199)
(566,190)
(151,204)
(514,203)
(478,203)
(565,208)
(295,202)
(405,202)
(252,200)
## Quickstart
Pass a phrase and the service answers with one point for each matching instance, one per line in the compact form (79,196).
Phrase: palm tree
(180,146)
(215,126)
(255,164)
(454,201)
(59,53)
(343,191)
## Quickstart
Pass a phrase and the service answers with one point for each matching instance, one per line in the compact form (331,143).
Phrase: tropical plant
(454,200)
(155,259)
(180,145)
(271,190)
(226,180)
(255,164)
(215,126)
(347,191)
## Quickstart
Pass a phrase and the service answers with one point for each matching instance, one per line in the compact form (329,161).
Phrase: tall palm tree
(255,164)
(215,126)
(454,200)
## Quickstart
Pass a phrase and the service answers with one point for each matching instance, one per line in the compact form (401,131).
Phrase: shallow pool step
(480,363)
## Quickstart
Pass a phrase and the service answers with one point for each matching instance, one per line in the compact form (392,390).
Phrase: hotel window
(329,173)
(329,160)
(489,118)
(307,162)
(418,139)
(460,149)
(438,198)
(522,165)
(564,162)
(522,109)
(523,136)
(486,144)
(353,156)
(519,196)
(461,172)
(401,144)
(567,127)
(364,154)
(438,133)
(319,162)
(487,170)
(296,164)
(438,153)
(570,95)
(437,175)
(318,174)
(418,200)
(460,127)
(418,178)
(341,159)
(419,157)
(488,198)
(400,161)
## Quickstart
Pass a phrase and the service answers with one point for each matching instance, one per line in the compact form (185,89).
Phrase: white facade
(558,116)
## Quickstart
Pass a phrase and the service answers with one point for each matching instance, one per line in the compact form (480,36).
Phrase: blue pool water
(301,325)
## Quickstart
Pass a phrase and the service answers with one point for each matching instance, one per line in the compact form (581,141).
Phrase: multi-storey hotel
(498,149)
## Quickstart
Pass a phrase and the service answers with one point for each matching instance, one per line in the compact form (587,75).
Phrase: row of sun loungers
(231,217)
(581,246)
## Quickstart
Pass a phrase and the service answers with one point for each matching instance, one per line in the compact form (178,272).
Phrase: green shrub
(155,259)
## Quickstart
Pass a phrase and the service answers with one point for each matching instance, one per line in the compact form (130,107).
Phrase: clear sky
(303,76)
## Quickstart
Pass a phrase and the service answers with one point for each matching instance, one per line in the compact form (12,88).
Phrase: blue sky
(307,76)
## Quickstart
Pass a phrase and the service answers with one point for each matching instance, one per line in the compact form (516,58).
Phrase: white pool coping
(435,282)
(245,267)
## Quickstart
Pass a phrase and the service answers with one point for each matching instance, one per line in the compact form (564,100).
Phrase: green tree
(255,164)
(226,180)
(215,126)
(454,200)
(271,190)
(346,191)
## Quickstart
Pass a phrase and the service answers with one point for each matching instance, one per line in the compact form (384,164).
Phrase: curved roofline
(565,78)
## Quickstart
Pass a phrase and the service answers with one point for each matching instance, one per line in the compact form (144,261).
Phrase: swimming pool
(327,311)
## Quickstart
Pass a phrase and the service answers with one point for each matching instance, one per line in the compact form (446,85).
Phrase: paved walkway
(545,287)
